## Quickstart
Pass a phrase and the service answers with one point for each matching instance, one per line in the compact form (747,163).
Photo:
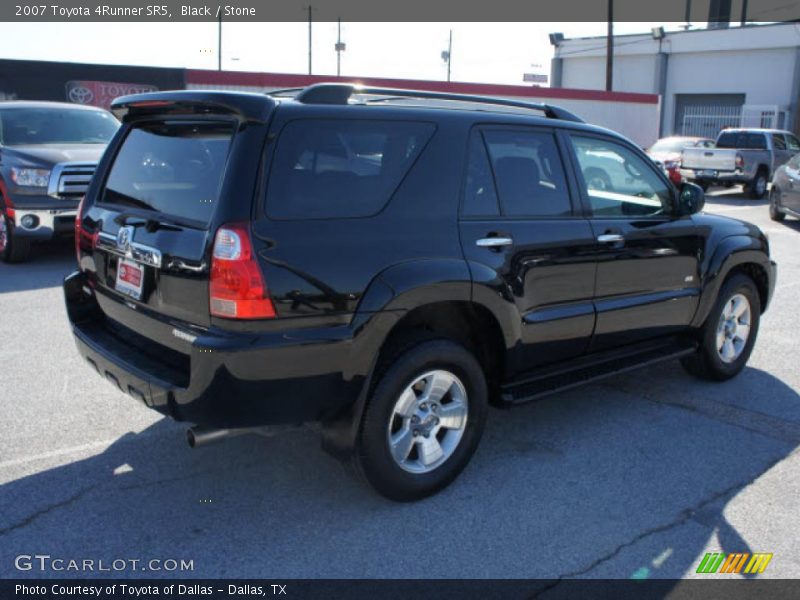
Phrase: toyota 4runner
(388,263)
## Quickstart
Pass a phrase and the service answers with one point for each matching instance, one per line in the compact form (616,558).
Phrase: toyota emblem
(124,238)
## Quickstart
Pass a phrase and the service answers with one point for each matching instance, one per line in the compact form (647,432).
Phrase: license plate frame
(130,279)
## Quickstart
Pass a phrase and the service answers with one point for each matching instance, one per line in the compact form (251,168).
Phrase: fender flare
(731,252)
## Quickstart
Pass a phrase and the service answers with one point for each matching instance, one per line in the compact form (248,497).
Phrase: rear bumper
(737,176)
(213,378)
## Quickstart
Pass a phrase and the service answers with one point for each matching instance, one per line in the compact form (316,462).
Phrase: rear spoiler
(242,105)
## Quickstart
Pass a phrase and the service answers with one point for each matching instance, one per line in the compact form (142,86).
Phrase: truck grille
(70,180)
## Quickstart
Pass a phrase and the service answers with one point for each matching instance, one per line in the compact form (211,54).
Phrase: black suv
(388,263)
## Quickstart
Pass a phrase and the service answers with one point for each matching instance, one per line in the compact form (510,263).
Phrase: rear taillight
(83,239)
(237,289)
(739,161)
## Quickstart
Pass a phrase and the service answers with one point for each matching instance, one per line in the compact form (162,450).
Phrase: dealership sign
(101,93)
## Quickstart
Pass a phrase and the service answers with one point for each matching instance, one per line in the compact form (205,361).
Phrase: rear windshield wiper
(151,225)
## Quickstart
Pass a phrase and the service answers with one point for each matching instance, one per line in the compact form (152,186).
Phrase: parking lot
(637,476)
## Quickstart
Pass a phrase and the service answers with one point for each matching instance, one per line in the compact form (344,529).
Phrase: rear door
(153,215)
(647,281)
(518,222)
(780,150)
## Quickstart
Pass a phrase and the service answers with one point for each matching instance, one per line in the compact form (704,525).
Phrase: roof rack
(340,93)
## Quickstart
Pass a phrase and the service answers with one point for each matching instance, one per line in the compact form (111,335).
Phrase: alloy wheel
(733,328)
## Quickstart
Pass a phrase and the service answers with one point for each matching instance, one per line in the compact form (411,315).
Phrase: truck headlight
(30,177)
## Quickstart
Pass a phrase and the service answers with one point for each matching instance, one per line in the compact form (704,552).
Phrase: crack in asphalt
(773,427)
(43,511)
(683,517)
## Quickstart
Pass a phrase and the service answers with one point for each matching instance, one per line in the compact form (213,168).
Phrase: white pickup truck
(747,156)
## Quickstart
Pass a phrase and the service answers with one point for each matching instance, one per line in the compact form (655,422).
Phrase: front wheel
(423,421)
(729,333)
(775,212)
(12,248)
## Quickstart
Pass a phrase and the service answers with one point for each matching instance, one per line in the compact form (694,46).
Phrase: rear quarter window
(742,140)
(341,168)
(172,168)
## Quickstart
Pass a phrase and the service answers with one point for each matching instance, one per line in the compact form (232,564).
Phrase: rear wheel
(12,248)
(775,212)
(423,421)
(729,333)
(758,187)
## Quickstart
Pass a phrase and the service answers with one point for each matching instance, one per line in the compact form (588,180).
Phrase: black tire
(775,212)
(12,248)
(373,455)
(758,187)
(707,362)
(597,179)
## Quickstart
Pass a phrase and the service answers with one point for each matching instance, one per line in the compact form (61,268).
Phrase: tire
(464,403)
(758,187)
(775,212)
(598,179)
(12,248)
(709,361)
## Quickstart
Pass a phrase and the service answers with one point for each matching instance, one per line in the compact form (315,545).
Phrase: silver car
(784,199)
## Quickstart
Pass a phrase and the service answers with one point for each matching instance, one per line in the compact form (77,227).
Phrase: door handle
(610,238)
(494,242)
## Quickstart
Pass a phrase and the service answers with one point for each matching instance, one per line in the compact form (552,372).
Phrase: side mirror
(691,199)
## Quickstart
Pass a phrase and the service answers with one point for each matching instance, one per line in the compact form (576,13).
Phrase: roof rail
(340,93)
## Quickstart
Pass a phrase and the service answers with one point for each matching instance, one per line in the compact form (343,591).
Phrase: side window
(778,142)
(757,141)
(618,182)
(528,172)
(480,197)
(340,168)
(792,143)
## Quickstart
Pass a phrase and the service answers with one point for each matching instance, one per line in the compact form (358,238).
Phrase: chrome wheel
(3,233)
(733,328)
(428,422)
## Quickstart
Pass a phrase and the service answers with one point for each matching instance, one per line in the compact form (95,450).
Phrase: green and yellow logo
(716,562)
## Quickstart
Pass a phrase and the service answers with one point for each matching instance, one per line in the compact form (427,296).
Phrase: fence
(707,120)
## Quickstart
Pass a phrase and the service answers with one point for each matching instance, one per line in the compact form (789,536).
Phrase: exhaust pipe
(201,436)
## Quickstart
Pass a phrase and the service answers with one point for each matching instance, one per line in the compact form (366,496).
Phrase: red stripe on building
(290,80)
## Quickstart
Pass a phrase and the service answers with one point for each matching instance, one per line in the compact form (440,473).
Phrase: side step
(588,369)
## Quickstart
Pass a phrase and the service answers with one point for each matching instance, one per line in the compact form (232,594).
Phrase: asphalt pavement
(637,476)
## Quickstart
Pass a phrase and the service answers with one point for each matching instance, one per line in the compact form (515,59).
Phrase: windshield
(671,145)
(23,126)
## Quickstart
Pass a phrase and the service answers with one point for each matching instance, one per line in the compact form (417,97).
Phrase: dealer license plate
(130,278)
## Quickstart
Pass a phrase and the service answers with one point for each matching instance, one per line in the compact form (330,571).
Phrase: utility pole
(309,39)
(610,48)
(340,47)
(219,42)
(447,54)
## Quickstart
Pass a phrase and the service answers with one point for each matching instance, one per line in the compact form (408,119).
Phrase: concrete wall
(760,62)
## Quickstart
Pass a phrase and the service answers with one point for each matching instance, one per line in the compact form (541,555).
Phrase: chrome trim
(136,252)
(610,238)
(178,265)
(70,179)
(494,242)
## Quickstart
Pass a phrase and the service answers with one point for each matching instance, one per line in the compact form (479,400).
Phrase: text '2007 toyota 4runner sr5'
(389,263)
(48,154)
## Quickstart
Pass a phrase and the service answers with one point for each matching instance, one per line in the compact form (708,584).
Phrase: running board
(588,369)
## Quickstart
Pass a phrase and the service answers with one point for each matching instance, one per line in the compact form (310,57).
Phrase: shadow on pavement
(47,266)
(623,479)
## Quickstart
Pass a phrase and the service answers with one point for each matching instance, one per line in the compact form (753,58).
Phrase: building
(707,79)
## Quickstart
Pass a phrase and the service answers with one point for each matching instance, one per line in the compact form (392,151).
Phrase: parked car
(668,152)
(227,280)
(784,197)
(748,156)
(48,153)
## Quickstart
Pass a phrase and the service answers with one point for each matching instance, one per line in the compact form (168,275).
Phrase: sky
(482,52)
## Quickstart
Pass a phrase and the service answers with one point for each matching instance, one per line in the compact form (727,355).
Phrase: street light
(340,47)
(448,54)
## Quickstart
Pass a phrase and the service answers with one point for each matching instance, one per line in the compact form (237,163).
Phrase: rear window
(732,139)
(171,168)
(340,168)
